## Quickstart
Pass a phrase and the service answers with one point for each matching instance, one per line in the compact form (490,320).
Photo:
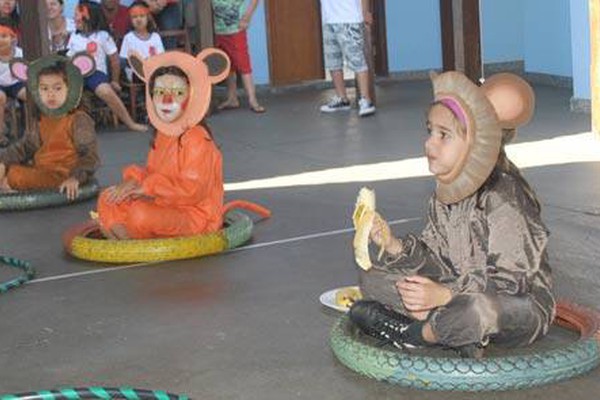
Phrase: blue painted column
(580,42)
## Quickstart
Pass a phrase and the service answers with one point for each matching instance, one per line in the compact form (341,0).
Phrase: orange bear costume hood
(209,67)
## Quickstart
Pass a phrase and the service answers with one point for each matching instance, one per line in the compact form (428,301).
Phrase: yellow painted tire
(82,241)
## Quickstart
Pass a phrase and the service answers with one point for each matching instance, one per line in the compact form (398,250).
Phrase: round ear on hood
(512,97)
(85,63)
(136,62)
(217,62)
(19,68)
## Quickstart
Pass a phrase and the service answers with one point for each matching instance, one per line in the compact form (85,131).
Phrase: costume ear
(84,63)
(217,62)
(136,62)
(512,98)
(19,67)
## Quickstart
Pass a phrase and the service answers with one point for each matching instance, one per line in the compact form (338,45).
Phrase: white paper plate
(328,299)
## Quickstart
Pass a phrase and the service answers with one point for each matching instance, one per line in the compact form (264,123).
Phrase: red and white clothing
(151,46)
(97,44)
(6,77)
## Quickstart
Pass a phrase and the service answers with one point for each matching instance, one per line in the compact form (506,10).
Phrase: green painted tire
(237,231)
(21,201)
(458,374)
(95,392)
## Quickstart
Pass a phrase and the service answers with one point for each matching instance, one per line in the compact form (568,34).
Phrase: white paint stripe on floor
(312,236)
(249,247)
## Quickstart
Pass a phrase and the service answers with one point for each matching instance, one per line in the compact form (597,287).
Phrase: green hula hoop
(27,274)
(95,392)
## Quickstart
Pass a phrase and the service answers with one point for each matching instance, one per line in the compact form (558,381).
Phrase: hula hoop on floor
(83,241)
(29,200)
(28,273)
(95,392)
(486,374)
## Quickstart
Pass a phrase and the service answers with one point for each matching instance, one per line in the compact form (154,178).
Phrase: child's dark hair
(8,22)
(57,68)
(14,17)
(96,21)
(151,27)
(170,70)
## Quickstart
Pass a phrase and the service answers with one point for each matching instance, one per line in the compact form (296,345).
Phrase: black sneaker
(474,350)
(336,103)
(380,322)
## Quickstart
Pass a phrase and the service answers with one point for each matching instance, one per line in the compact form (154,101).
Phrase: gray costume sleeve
(515,241)
(84,138)
(516,244)
(418,257)
(22,151)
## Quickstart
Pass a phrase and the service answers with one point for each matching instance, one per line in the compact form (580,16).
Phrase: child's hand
(124,191)
(368,17)
(244,22)
(70,187)
(422,294)
(381,235)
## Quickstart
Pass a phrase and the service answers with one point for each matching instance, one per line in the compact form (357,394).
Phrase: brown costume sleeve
(23,150)
(84,138)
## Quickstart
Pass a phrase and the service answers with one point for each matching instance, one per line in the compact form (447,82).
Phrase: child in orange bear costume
(180,191)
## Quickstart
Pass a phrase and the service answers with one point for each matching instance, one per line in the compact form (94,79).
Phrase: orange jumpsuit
(64,147)
(182,186)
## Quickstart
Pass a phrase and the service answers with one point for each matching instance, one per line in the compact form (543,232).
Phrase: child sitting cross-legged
(479,271)
(61,152)
(92,37)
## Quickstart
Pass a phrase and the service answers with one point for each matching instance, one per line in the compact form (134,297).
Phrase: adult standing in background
(8,9)
(59,26)
(232,19)
(343,38)
(117,18)
(167,14)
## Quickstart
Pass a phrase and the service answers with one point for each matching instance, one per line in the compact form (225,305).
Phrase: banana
(363,217)
(345,297)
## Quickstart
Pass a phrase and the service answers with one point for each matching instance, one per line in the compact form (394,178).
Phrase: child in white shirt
(143,38)
(10,87)
(93,38)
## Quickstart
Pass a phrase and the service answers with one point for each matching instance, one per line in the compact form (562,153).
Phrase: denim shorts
(13,90)
(94,80)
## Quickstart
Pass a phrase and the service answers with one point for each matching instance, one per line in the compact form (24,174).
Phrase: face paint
(170,97)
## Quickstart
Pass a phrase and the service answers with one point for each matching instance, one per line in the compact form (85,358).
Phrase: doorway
(295,41)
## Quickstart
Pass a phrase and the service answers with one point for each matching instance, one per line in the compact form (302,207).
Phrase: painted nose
(168,99)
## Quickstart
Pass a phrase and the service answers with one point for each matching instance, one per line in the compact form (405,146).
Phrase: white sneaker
(336,103)
(365,107)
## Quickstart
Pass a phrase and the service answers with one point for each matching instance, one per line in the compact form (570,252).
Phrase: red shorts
(236,47)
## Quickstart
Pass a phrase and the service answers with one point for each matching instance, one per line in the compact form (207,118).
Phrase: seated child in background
(143,38)
(9,85)
(92,37)
(479,270)
(180,190)
(62,153)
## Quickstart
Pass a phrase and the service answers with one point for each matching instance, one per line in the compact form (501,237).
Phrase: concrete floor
(248,324)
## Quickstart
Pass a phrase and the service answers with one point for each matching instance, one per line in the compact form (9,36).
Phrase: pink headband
(454,106)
